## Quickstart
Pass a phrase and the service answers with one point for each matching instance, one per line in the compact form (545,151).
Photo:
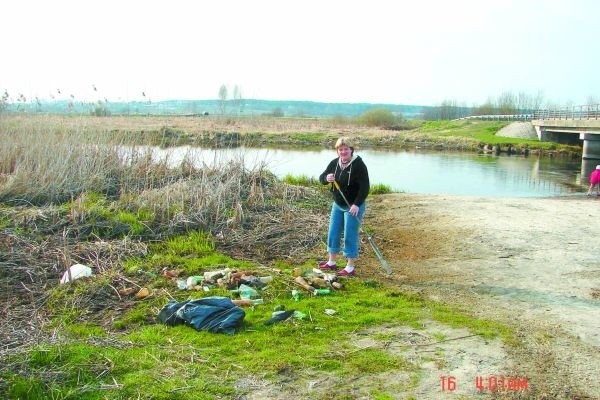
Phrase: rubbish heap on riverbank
(222,314)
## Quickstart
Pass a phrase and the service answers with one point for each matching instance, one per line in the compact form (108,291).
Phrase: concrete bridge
(569,126)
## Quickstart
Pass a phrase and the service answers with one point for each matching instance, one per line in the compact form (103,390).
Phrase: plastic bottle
(192,281)
(141,271)
(299,314)
(296,295)
(181,284)
(321,292)
(247,292)
(248,302)
(214,275)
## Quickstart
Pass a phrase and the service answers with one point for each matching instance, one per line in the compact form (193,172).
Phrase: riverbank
(219,131)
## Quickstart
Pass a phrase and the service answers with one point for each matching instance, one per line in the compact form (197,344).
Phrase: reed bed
(65,187)
(196,124)
(166,130)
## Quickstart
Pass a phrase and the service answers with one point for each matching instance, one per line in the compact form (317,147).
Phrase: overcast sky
(402,52)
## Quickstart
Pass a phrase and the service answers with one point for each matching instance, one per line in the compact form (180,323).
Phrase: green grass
(312,138)
(193,244)
(380,188)
(301,180)
(135,226)
(105,218)
(482,131)
(485,132)
(304,180)
(463,128)
(187,253)
(137,356)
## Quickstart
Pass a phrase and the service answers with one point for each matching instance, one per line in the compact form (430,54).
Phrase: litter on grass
(213,314)
(76,271)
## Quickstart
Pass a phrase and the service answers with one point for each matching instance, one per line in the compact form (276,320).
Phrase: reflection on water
(415,171)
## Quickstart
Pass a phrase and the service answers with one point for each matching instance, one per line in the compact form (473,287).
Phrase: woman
(352,177)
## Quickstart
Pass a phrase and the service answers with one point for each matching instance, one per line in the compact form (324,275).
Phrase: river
(415,171)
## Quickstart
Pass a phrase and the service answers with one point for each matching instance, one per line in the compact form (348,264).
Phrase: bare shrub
(378,117)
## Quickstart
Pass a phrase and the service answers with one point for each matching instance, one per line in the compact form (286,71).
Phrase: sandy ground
(531,263)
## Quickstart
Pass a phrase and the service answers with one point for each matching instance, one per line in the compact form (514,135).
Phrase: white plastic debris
(76,271)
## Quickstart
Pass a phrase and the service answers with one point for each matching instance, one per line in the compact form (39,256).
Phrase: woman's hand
(330,178)
(353,210)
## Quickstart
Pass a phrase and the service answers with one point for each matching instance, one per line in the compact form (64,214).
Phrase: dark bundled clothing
(213,314)
(353,181)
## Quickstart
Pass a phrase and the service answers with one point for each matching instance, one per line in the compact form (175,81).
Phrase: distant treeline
(248,107)
(506,103)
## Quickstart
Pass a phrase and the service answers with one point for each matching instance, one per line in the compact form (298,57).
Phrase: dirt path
(533,264)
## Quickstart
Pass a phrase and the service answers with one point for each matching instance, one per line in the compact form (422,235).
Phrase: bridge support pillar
(540,133)
(591,146)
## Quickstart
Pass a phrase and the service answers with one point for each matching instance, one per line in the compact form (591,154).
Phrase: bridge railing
(591,111)
(500,117)
(586,112)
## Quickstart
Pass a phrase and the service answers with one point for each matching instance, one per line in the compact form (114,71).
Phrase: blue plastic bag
(213,314)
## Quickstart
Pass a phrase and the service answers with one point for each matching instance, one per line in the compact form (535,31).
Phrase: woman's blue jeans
(342,222)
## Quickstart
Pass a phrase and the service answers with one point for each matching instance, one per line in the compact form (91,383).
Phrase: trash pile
(245,284)
(221,313)
(248,284)
(317,282)
(224,314)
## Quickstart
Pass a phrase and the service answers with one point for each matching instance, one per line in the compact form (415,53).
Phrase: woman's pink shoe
(346,273)
(324,266)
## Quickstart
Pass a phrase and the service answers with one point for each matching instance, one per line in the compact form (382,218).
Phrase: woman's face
(344,152)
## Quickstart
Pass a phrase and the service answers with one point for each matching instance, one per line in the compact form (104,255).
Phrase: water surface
(415,171)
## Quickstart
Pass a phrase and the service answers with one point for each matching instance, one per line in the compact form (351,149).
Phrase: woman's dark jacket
(353,180)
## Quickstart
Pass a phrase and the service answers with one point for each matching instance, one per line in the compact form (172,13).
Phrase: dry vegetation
(231,131)
(69,194)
